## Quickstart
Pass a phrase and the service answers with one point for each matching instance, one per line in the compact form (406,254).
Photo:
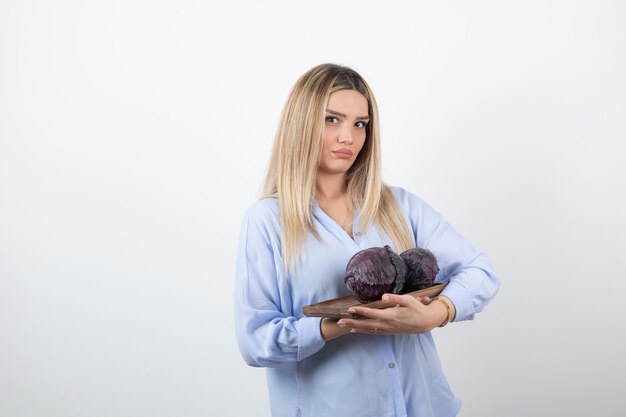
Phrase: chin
(336,169)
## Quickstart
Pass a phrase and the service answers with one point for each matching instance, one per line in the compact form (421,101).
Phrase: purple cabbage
(422,269)
(373,272)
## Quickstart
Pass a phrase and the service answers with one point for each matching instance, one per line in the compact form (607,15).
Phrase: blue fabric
(356,374)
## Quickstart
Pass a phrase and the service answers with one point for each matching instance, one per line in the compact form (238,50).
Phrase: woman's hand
(410,315)
(330,330)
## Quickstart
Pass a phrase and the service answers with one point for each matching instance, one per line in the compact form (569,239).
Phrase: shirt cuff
(310,338)
(462,300)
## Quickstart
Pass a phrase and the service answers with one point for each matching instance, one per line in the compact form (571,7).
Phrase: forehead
(350,102)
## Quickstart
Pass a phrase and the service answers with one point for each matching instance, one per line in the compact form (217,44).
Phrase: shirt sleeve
(267,334)
(472,281)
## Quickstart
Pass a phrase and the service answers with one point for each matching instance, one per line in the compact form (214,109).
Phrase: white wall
(134,134)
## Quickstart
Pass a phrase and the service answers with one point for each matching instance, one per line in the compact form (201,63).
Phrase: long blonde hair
(296,155)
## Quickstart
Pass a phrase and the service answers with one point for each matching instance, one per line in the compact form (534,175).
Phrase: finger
(385,313)
(373,331)
(372,313)
(362,325)
(403,300)
(369,326)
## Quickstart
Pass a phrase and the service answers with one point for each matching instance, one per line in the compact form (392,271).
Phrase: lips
(343,153)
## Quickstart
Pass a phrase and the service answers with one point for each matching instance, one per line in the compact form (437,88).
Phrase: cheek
(326,141)
(361,140)
(329,135)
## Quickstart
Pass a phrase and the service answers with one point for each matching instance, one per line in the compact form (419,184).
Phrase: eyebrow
(336,113)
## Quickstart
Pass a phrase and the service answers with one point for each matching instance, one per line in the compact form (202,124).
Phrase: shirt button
(392,365)
(358,233)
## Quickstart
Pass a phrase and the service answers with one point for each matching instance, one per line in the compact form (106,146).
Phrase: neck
(330,186)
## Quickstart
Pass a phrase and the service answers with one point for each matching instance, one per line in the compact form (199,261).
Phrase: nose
(345,136)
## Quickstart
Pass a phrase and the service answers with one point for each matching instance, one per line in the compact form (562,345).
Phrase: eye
(331,119)
(360,124)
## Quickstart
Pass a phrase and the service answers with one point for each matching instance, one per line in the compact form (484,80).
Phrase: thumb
(403,300)
(425,300)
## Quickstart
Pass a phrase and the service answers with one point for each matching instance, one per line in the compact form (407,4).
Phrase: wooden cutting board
(338,307)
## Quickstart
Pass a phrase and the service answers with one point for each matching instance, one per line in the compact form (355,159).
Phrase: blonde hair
(296,155)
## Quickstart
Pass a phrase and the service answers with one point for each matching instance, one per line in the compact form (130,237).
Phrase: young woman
(323,201)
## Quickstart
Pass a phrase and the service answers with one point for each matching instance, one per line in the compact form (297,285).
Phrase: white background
(134,135)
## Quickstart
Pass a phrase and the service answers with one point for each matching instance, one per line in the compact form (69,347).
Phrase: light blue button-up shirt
(356,374)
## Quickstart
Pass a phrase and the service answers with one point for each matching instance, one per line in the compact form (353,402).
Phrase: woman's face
(344,130)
